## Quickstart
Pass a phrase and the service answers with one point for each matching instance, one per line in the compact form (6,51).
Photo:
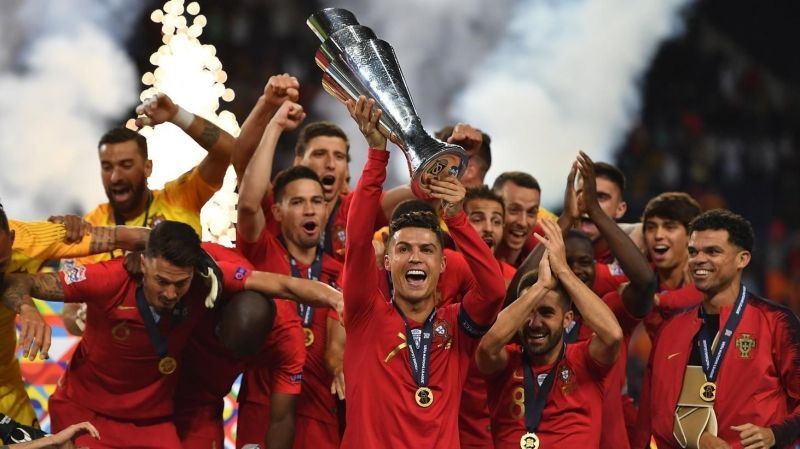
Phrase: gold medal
(308,336)
(167,365)
(424,397)
(529,441)
(708,391)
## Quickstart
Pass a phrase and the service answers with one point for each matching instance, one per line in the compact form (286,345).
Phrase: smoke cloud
(544,78)
(65,78)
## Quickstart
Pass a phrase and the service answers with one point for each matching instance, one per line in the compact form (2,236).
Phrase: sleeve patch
(240,273)
(615,269)
(297,378)
(74,274)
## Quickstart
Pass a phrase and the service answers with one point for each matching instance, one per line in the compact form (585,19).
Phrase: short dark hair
(175,242)
(484,155)
(740,231)
(289,175)
(483,193)
(677,206)
(578,235)
(122,134)
(612,173)
(3,220)
(415,214)
(317,129)
(519,178)
(530,278)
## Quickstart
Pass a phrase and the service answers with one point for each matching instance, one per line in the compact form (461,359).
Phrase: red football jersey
(316,401)
(572,413)
(758,380)
(607,278)
(335,229)
(381,406)
(114,370)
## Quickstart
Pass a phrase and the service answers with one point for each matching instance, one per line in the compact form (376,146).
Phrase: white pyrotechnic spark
(192,75)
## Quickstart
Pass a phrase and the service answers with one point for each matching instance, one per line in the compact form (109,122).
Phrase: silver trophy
(355,62)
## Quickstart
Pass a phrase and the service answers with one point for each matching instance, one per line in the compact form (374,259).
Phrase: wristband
(183,118)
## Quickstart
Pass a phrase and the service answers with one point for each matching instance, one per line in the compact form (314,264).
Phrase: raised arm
(482,304)
(638,295)
(255,183)
(360,274)
(279,88)
(334,356)
(565,222)
(219,144)
(313,293)
(491,356)
(605,344)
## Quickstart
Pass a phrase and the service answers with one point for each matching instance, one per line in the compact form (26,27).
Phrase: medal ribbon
(712,360)
(313,273)
(571,336)
(158,340)
(536,398)
(419,355)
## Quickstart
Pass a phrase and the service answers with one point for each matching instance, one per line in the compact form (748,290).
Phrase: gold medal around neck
(708,391)
(424,397)
(167,365)
(529,441)
(308,336)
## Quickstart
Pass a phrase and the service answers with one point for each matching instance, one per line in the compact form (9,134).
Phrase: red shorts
(200,427)
(312,433)
(114,433)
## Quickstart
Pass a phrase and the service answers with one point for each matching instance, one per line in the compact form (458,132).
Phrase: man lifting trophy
(355,62)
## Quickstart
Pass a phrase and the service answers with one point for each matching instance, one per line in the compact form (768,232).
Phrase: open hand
(755,437)
(34,333)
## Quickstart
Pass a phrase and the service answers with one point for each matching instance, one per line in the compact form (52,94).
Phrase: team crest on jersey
(339,232)
(745,344)
(441,334)
(567,379)
(75,273)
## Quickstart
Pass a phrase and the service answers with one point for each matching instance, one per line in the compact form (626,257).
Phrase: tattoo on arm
(210,134)
(16,292)
(104,238)
(47,286)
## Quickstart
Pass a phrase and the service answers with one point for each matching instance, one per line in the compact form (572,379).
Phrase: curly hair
(740,231)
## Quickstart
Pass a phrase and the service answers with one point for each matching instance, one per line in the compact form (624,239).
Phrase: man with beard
(24,248)
(125,167)
(729,375)
(486,214)
(546,392)
(122,375)
(299,209)
(324,148)
(413,352)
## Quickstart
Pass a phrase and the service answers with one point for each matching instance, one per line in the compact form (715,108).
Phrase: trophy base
(450,160)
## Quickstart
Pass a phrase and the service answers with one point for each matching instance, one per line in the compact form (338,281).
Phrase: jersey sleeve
(607,278)
(787,360)
(481,305)
(626,321)
(360,274)
(598,371)
(256,250)
(189,190)
(680,299)
(94,284)
(235,268)
(38,242)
